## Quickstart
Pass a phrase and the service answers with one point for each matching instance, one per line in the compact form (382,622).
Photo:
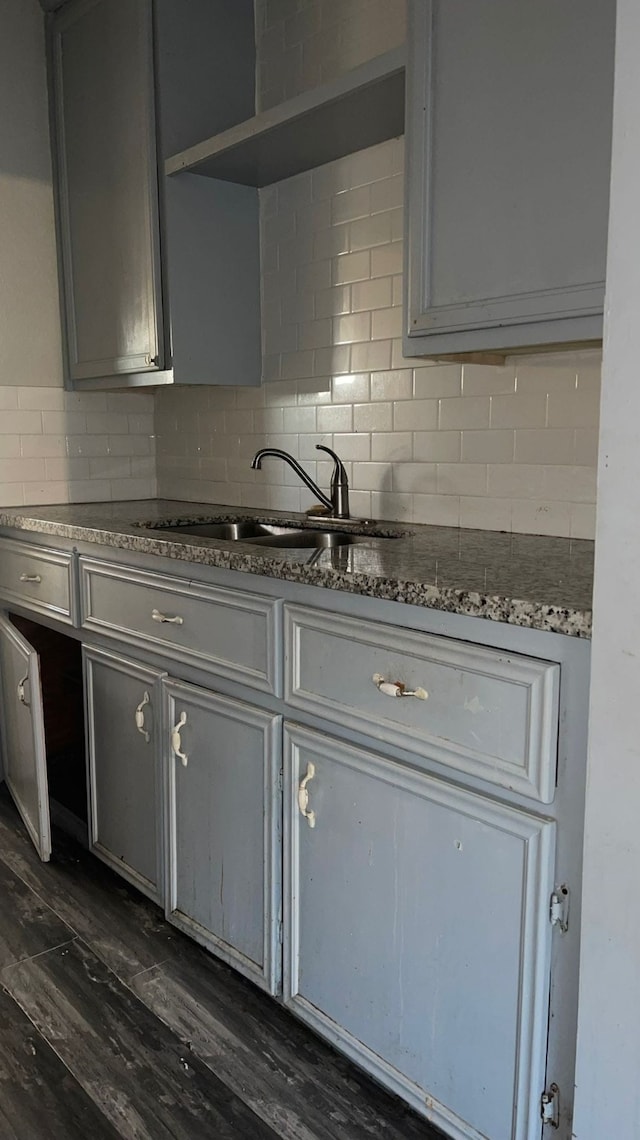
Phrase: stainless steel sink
(263,534)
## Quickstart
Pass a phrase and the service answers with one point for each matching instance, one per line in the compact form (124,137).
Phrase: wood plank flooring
(112,1024)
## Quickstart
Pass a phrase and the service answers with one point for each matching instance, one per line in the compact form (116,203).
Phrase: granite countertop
(526,580)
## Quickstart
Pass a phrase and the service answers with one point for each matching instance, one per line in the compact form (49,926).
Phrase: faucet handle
(339,473)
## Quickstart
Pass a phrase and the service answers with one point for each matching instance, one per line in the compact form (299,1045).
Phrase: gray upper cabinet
(161,284)
(108,188)
(508,156)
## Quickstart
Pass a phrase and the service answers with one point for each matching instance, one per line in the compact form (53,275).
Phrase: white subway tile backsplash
(487,446)
(520,410)
(351,328)
(415,478)
(46,451)
(351,267)
(350,204)
(437,380)
(373,417)
(394,447)
(376,294)
(437,446)
(373,356)
(461,479)
(415,415)
(464,412)
(391,385)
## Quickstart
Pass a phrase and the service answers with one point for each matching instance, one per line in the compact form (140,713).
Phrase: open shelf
(357,110)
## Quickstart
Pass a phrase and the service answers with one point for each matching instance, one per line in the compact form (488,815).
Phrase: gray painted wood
(108,194)
(508,155)
(41,1100)
(23,741)
(40,579)
(417,934)
(487,713)
(205,69)
(230,632)
(123,710)
(213,259)
(357,110)
(223,872)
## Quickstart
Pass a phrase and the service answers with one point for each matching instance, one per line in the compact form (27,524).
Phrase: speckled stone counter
(526,580)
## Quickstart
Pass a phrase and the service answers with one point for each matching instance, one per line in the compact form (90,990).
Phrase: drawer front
(38,578)
(487,713)
(232,633)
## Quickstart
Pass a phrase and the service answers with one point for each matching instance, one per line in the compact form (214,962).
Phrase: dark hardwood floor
(112,1024)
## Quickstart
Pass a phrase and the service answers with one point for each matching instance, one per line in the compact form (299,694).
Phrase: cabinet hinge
(280,781)
(280,932)
(550,1106)
(559,908)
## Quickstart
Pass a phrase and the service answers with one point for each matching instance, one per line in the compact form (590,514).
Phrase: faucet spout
(338,503)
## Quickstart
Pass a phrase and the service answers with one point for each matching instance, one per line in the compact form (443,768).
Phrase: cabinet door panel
(23,743)
(124,768)
(417,934)
(108,208)
(509,125)
(224,830)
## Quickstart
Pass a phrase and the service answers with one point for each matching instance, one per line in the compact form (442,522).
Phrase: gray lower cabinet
(123,702)
(23,740)
(417,934)
(509,111)
(224,806)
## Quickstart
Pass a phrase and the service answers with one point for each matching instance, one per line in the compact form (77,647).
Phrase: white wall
(55,446)
(29,317)
(608,1073)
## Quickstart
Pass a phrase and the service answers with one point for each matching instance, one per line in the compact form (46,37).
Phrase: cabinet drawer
(38,578)
(488,713)
(230,632)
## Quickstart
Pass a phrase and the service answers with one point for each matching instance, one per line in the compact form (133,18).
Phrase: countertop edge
(493,607)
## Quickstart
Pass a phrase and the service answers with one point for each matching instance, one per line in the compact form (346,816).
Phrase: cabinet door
(417,933)
(107,187)
(224,828)
(23,744)
(509,109)
(125,826)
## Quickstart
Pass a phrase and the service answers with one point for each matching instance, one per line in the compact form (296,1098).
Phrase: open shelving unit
(360,109)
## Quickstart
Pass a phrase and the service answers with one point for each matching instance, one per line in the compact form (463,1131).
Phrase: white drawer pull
(175,620)
(176,742)
(397,689)
(30,578)
(21,694)
(139,716)
(303,795)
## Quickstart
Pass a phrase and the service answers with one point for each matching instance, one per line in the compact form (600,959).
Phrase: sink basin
(263,534)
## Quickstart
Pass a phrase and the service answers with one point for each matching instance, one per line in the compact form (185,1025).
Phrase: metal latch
(550,1106)
(559,908)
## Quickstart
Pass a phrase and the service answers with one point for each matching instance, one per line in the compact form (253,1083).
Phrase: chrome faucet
(338,503)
